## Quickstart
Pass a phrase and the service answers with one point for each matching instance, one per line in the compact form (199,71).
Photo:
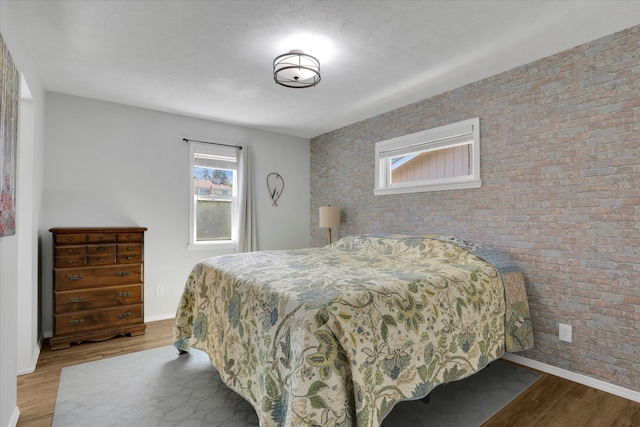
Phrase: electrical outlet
(564,332)
(159,290)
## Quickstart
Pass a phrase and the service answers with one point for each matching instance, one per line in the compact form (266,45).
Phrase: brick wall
(560,162)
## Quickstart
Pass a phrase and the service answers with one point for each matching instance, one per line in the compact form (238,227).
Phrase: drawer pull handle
(76,322)
(76,299)
(69,251)
(129,248)
(129,257)
(75,277)
(100,259)
(70,239)
(101,249)
(69,262)
(123,294)
(123,273)
(124,315)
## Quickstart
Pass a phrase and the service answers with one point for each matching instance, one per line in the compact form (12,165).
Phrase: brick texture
(560,163)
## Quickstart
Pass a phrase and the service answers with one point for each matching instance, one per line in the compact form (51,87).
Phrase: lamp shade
(329,216)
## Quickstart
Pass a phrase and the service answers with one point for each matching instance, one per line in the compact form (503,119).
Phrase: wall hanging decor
(275,185)
(9,98)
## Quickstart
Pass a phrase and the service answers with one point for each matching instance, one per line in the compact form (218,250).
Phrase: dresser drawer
(130,237)
(70,261)
(128,258)
(105,259)
(101,249)
(86,299)
(70,250)
(124,248)
(70,238)
(79,278)
(128,253)
(101,237)
(83,321)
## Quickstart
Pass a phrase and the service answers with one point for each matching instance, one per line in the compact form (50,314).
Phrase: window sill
(211,246)
(474,183)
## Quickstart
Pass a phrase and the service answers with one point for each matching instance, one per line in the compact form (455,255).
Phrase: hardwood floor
(555,402)
(551,401)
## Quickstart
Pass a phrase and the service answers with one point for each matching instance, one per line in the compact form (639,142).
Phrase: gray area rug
(159,388)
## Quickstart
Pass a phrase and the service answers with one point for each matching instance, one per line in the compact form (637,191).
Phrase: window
(443,158)
(214,183)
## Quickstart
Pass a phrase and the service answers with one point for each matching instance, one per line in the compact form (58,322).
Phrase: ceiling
(214,59)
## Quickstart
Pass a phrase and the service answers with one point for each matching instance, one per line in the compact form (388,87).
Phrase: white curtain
(247,240)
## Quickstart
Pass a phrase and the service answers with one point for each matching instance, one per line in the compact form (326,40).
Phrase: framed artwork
(9,98)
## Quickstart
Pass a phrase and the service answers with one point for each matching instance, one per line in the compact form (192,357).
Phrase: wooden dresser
(98,284)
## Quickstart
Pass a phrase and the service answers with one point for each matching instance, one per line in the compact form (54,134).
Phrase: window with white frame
(213,171)
(442,158)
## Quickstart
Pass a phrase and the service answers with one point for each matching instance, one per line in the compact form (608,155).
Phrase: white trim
(446,136)
(159,317)
(34,359)
(572,376)
(204,246)
(217,150)
(13,421)
(421,188)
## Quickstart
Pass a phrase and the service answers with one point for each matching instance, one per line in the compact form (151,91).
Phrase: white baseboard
(34,360)
(572,376)
(13,421)
(159,317)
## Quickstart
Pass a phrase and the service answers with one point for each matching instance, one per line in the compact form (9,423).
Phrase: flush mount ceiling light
(296,69)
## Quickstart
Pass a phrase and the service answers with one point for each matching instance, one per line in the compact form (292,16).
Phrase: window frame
(222,149)
(427,140)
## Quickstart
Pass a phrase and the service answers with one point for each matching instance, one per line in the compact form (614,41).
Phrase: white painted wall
(8,330)
(29,218)
(19,253)
(114,165)
(109,164)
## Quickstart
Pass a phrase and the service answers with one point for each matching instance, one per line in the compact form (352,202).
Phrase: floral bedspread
(336,336)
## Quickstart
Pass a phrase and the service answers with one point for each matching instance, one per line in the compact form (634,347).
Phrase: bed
(336,336)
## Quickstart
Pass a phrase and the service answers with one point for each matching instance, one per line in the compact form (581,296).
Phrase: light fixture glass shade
(296,69)
(329,217)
